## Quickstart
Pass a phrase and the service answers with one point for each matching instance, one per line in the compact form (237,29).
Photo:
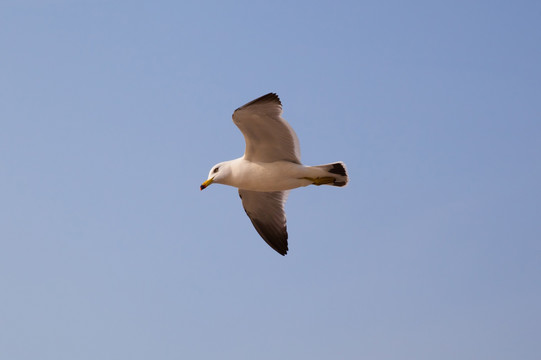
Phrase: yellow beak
(206,183)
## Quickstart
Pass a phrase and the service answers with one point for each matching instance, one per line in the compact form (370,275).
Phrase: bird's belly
(276,176)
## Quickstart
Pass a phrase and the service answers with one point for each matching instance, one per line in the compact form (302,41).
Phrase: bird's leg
(321,180)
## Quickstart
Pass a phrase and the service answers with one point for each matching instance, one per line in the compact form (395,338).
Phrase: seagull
(270,167)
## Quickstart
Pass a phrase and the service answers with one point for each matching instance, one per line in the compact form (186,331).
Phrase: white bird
(270,167)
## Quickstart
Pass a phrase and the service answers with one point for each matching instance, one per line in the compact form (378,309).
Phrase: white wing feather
(268,136)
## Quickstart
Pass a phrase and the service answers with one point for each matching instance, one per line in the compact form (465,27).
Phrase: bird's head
(216,175)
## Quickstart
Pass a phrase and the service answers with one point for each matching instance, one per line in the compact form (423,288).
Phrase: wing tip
(267,98)
(277,240)
(278,243)
(282,250)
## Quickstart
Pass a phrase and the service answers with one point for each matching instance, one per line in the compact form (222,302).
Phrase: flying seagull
(270,167)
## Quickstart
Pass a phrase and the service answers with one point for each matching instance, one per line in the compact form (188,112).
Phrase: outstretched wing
(266,210)
(268,136)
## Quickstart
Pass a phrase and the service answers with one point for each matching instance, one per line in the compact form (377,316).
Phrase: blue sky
(113,112)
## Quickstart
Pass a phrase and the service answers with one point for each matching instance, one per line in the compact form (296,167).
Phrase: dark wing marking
(266,211)
(268,136)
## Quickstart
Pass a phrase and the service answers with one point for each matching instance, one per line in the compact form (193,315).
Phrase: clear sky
(113,112)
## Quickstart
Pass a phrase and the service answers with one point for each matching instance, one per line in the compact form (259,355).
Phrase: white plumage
(270,167)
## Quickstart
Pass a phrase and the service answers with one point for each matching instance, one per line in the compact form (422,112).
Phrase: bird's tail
(334,174)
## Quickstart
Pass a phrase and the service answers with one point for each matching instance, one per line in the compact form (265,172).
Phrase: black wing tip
(267,98)
(270,97)
(277,243)
(281,251)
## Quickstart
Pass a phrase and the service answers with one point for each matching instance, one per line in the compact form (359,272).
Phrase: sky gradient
(113,112)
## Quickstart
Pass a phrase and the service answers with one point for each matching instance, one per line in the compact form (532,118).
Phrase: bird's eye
(215,170)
